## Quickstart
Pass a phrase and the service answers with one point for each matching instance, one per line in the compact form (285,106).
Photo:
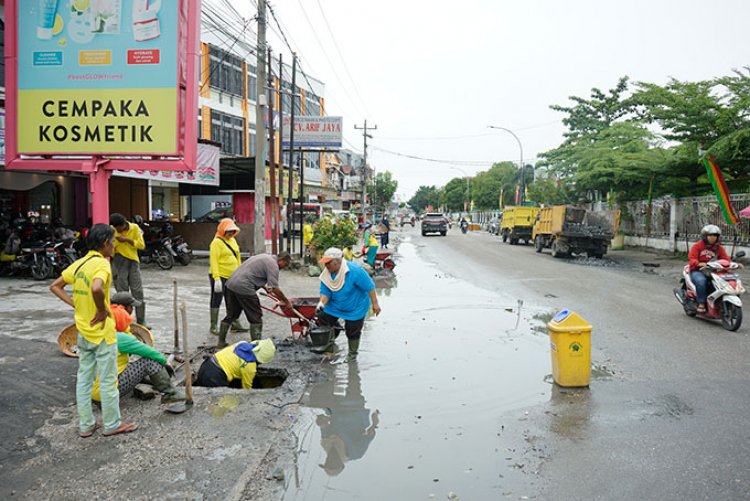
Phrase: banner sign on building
(98,77)
(314,132)
(206,172)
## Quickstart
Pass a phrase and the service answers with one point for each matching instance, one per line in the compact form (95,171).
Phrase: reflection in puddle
(346,426)
(225,404)
(444,376)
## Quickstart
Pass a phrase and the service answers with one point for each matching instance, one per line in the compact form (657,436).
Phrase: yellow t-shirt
(307,234)
(126,250)
(81,275)
(222,261)
(236,368)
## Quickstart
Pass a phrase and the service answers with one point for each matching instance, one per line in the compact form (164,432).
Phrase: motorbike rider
(706,249)
(464,225)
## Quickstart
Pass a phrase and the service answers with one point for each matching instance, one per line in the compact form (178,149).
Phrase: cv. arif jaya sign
(98,76)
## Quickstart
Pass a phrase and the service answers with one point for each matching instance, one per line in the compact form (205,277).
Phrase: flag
(721,190)
(501,198)
(517,195)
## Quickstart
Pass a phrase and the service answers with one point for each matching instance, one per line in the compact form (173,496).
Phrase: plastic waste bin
(570,346)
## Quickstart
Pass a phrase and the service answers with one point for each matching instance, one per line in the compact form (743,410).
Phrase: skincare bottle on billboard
(146,20)
(46,21)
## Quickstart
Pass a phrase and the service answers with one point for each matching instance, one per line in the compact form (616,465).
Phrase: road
(670,422)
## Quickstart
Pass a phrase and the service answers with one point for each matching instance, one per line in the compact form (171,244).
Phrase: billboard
(98,77)
(314,132)
(206,172)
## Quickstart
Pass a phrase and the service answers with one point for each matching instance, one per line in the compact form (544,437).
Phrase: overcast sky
(428,72)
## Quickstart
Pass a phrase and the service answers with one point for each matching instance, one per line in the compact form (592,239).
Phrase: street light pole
(522,194)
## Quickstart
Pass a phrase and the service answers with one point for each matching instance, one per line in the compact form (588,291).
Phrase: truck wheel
(555,250)
(538,244)
(513,241)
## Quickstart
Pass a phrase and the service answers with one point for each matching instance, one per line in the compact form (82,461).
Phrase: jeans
(701,285)
(97,359)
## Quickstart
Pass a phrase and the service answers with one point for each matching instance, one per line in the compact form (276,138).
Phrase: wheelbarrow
(303,321)
(383,260)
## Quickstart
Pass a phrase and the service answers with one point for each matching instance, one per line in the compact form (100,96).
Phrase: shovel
(188,403)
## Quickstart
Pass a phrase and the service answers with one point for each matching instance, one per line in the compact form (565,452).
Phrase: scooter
(464,227)
(158,245)
(182,251)
(724,290)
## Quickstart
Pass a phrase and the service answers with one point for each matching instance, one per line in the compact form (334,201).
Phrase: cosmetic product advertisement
(98,76)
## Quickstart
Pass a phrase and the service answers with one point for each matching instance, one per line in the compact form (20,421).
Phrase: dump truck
(570,230)
(517,224)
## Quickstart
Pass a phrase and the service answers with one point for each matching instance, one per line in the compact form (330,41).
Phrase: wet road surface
(451,395)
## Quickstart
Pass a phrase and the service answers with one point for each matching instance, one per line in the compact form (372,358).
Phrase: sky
(433,74)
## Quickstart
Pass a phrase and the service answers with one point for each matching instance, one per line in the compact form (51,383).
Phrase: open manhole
(265,378)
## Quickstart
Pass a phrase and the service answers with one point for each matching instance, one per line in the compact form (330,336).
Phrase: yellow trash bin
(570,346)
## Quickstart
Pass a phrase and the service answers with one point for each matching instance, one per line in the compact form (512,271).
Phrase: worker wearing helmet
(704,250)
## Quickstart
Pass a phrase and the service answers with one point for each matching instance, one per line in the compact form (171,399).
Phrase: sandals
(123,428)
(90,431)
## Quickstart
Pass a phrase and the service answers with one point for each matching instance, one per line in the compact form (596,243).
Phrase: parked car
(434,222)
(216,215)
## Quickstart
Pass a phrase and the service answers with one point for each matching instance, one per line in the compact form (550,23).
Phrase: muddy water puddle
(440,373)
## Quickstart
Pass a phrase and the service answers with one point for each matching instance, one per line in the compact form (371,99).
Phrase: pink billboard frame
(99,167)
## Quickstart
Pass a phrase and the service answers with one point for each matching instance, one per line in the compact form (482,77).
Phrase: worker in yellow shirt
(126,265)
(91,277)
(224,258)
(236,364)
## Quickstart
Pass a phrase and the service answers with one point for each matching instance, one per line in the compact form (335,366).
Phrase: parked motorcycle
(183,252)
(724,290)
(34,258)
(64,254)
(158,244)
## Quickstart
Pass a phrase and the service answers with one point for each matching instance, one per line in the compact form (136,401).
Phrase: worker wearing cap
(224,258)
(348,292)
(152,364)
(259,272)
(370,243)
(126,265)
(235,362)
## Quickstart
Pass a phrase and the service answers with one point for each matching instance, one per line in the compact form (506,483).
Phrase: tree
(454,194)
(423,197)
(383,189)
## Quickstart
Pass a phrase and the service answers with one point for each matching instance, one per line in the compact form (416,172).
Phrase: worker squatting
(124,108)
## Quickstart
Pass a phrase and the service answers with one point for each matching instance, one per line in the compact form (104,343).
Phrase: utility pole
(365,135)
(277,210)
(290,200)
(259,234)
(272,155)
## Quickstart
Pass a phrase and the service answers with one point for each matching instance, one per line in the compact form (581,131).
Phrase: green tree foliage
(330,232)
(455,194)
(550,190)
(383,189)
(425,196)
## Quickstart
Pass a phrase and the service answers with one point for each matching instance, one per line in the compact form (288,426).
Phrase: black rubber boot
(223,335)
(238,327)
(353,350)
(214,321)
(256,332)
(163,383)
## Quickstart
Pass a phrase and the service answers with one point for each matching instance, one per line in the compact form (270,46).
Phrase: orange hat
(226,225)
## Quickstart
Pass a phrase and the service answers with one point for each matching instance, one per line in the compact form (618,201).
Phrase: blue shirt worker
(347,292)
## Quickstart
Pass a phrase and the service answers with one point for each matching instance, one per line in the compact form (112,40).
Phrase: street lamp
(522,194)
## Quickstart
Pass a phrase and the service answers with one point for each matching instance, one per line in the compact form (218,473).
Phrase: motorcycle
(464,227)
(64,254)
(17,259)
(724,290)
(158,245)
(183,252)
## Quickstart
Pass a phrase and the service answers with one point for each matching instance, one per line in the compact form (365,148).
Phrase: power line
(468,163)
(338,50)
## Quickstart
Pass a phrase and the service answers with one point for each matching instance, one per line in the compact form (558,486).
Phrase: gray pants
(126,275)
(135,372)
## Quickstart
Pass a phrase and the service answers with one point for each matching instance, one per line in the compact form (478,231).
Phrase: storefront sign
(98,77)
(314,132)
(206,173)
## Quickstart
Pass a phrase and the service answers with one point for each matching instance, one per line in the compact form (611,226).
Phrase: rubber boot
(353,350)
(214,321)
(163,383)
(140,315)
(256,332)
(223,335)
(237,326)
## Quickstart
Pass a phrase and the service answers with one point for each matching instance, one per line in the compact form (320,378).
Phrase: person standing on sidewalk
(126,265)
(224,258)
(260,271)
(348,292)
(385,235)
(91,277)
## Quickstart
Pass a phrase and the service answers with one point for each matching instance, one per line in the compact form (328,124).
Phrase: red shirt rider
(702,252)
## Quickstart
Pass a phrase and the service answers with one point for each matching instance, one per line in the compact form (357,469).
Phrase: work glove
(319,308)
(217,286)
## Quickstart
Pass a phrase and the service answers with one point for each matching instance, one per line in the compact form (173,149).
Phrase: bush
(327,233)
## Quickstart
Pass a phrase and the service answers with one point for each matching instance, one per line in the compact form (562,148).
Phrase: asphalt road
(666,413)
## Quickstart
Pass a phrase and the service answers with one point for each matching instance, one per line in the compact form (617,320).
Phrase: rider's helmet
(710,229)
